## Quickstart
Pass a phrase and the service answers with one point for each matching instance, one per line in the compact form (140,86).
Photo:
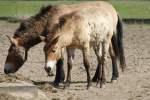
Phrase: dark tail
(120,43)
(117,44)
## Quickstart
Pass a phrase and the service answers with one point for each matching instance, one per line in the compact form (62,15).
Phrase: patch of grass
(133,8)
(127,9)
(25,8)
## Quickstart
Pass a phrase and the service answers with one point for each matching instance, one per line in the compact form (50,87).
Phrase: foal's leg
(87,65)
(70,57)
(115,73)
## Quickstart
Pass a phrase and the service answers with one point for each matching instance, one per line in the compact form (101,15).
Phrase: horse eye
(53,50)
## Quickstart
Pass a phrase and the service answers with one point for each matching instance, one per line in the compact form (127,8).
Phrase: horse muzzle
(49,71)
(9,68)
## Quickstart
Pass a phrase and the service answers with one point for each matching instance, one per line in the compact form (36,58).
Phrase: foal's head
(17,55)
(53,53)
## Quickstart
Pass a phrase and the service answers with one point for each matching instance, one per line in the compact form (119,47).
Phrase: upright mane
(34,24)
(64,28)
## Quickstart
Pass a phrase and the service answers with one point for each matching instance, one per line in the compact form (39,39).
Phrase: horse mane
(63,20)
(35,23)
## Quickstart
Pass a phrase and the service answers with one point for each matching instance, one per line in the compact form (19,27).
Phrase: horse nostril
(48,69)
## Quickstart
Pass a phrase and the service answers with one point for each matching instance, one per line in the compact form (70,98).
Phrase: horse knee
(86,63)
(69,64)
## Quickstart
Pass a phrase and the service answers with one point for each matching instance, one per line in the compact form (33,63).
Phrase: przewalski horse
(82,29)
(27,35)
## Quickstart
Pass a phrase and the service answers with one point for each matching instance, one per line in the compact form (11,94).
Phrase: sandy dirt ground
(133,84)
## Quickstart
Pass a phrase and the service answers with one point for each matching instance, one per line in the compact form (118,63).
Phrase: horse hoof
(55,84)
(114,81)
(89,85)
(102,84)
(123,67)
(62,80)
(66,85)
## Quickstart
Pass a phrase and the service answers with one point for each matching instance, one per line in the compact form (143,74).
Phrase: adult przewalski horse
(27,35)
(82,29)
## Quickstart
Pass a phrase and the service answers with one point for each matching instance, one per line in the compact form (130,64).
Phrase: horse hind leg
(70,57)
(105,48)
(87,65)
(115,73)
(101,56)
(98,74)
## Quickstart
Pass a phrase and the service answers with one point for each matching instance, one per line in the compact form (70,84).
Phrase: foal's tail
(120,43)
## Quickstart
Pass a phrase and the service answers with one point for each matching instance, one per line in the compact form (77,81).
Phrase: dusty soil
(13,78)
(133,84)
(4,96)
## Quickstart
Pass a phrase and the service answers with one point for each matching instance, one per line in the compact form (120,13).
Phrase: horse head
(52,54)
(17,55)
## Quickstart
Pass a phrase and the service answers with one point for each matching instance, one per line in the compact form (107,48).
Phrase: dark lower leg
(103,74)
(95,78)
(60,75)
(97,73)
(115,73)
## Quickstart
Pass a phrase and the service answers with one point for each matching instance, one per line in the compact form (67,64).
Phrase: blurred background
(25,8)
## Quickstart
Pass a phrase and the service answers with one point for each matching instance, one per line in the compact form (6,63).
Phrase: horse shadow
(77,84)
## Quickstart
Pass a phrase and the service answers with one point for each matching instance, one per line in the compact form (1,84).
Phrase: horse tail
(115,45)
(120,43)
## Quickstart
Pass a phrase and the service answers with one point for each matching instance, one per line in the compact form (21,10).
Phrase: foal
(82,29)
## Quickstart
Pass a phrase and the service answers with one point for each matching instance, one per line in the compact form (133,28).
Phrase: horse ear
(12,40)
(42,38)
(55,40)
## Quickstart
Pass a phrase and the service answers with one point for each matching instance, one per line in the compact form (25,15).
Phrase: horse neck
(65,38)
(31,37)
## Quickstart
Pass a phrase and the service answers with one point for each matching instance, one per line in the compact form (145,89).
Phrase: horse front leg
(115,73)
(87,66)
(60,74)
(70,57)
